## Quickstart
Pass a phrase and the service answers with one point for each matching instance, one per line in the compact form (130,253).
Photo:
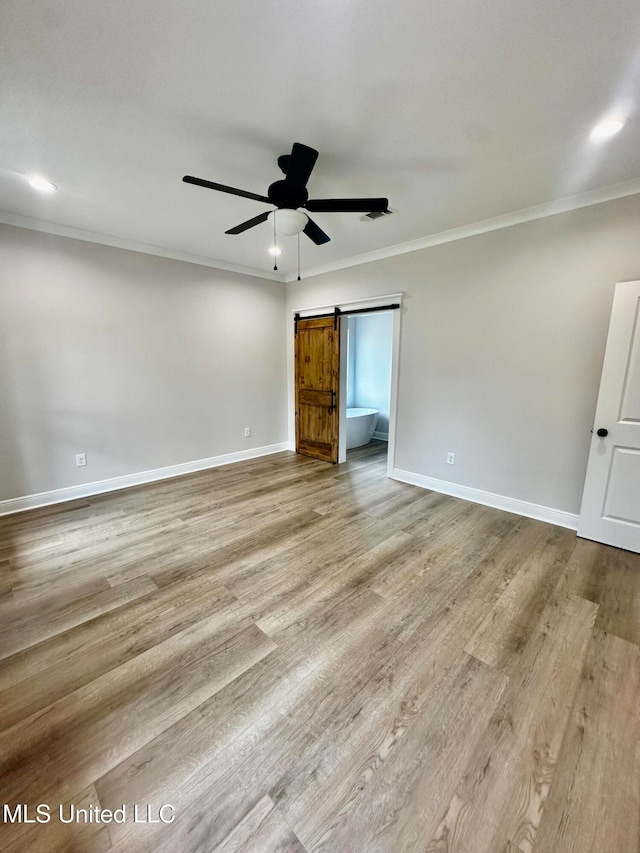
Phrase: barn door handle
(333,402)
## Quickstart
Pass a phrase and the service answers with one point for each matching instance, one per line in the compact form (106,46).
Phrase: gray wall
(139,361)
(502,343)
(143,362)
(371,337)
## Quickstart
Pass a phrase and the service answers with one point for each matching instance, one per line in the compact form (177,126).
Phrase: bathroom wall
(351,362)
(370,344)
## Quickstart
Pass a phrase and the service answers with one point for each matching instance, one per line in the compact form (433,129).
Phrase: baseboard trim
(87,490)
(381,436)
(467,493)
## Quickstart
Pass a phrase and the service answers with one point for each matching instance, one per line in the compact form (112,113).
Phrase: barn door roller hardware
(338,312)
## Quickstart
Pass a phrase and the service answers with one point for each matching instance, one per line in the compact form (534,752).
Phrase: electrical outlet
(247,432)
(81,460)
(451,458)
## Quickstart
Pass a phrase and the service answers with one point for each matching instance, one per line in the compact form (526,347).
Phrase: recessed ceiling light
(607,128)
(42,185)
(275,251)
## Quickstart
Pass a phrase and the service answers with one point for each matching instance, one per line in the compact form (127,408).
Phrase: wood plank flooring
(301,657)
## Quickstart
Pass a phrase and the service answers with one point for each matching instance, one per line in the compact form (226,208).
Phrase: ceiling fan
(290,195)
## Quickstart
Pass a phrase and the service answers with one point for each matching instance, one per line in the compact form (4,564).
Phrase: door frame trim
(345,306)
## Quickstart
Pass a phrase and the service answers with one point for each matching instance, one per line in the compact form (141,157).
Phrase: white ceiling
(458,112)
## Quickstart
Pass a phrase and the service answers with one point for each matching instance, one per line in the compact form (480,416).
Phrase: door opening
(367,363)
(378,348)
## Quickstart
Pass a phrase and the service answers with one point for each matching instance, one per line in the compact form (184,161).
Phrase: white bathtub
(360,426)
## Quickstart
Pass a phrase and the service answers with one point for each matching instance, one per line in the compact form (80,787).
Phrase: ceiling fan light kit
(290,194)
(288,222)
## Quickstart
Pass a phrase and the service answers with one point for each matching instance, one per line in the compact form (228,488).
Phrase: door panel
(317,355)
(630,405)
(611,502)
(621,496)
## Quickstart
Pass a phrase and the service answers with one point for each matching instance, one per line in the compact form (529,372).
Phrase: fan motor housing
(284,194)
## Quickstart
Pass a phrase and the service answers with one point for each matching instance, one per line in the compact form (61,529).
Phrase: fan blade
(348,205)
(301,162)
(244,226)
(200,182)
(315,233)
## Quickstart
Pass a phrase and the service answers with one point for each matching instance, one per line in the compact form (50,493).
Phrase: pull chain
(298,256)
(275,245)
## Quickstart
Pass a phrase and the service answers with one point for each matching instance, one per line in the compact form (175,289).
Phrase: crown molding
(528,214)
(130,245)
(518,217)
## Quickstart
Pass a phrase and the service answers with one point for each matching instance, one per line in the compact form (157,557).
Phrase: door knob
(602,432)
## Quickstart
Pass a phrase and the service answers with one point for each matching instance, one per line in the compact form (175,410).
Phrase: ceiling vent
(377,214)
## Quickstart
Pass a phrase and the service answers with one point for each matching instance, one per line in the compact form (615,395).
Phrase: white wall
(139,361)
(351,362)
(503,338)
(372,340)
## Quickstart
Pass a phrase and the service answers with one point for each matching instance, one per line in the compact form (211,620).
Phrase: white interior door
(611,502)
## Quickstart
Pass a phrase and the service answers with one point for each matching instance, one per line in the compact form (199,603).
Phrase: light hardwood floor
(303,657)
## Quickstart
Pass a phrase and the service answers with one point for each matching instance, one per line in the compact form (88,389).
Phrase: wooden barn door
(317,353)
